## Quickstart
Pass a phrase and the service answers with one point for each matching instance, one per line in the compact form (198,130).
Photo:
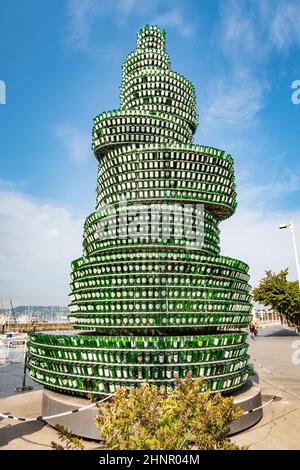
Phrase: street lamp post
(291,227)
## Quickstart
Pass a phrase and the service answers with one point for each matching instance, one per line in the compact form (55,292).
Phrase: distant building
(264,315)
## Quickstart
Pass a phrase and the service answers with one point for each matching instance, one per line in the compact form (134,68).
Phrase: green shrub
(150,418)
(71,441)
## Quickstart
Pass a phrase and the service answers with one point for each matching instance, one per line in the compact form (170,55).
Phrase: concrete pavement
(35,435)
(271,354)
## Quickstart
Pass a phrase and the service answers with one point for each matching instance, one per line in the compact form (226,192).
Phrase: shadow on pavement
(265,398)
(9,433)
(281,332)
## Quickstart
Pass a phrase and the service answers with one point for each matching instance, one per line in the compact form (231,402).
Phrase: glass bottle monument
(152,297)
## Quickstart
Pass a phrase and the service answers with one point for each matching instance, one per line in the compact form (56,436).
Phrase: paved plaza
(271,354)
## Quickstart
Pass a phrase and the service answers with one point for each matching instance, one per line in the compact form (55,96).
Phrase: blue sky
(61,63)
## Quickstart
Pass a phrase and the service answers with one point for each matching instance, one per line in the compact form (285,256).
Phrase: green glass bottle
(106,371)
(147,357)
(161,357)
(155,373)
(140,373)
(169,373)
(125,373)
(189,356)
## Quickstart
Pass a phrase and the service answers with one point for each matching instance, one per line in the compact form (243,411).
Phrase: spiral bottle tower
(151,296)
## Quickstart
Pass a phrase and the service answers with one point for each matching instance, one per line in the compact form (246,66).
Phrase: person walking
(256,327)
(252,330)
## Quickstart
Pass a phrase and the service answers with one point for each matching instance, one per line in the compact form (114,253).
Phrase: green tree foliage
(281,295)
(71,441)
(150,418)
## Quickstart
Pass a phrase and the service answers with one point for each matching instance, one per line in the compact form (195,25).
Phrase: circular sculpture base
(83,423)
(248,398)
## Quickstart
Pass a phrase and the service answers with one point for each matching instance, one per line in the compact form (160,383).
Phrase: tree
(150,418)
(275,291)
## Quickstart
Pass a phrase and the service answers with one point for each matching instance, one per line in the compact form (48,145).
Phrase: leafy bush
(281,295)
(71,441)
(149,418)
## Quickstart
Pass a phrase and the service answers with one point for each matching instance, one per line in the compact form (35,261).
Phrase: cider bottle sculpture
(152,298)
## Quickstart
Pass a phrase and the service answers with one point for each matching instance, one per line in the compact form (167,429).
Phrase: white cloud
(237,32)
(235,101)
(238,93)
(127,6)
(38,241)
(263,196)
(250,31)
(253,236)
(287,183)
(246,35)
(77,144)
(174,18)
(81,15)
(284,24)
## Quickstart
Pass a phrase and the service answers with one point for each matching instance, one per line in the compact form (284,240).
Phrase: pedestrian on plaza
(256,327)
(252,330)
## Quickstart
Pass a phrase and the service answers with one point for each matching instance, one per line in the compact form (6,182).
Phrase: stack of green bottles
(158,301)
(104,362)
